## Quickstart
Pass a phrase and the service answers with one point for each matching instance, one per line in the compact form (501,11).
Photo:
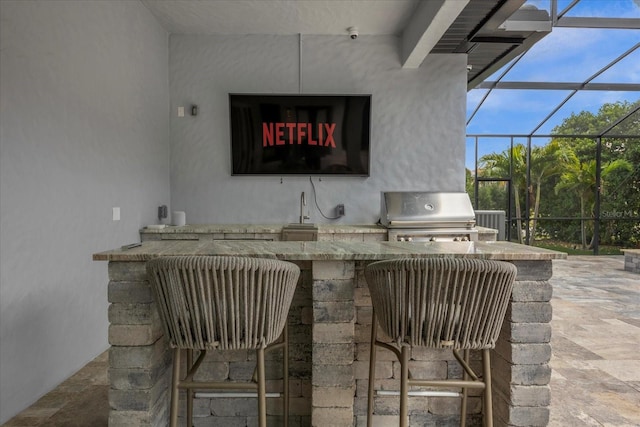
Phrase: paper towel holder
(178,218)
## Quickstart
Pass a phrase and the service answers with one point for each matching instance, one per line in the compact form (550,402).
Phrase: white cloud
(570,54)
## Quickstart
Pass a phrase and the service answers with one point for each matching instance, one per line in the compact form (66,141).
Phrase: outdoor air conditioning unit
(492,219)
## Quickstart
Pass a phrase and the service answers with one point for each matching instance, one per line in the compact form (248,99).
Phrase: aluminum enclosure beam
(590,22)
(623,87)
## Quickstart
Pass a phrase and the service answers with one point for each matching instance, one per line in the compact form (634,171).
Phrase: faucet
(303,203)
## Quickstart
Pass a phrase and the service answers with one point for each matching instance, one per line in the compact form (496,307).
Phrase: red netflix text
(298,133)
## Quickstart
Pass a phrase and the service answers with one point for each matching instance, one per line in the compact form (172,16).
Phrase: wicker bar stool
(223,303)
(439,303)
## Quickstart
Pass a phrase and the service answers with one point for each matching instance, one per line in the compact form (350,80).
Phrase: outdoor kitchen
(329,323)
(331,312)
(328,135)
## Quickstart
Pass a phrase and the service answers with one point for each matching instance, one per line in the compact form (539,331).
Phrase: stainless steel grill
(428,216)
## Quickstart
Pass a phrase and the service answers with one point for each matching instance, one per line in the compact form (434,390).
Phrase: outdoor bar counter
(329,332)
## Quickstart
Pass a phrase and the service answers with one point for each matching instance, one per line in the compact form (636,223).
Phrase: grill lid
(412,209)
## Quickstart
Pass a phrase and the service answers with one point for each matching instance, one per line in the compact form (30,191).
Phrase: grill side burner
(428,216)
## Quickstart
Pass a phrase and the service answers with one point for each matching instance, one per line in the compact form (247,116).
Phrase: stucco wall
(84,128)
(418,123)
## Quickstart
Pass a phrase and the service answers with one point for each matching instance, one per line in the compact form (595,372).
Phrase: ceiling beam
(477,76)
(429,22)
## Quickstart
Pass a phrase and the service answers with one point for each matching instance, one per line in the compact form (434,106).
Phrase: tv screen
(300,134)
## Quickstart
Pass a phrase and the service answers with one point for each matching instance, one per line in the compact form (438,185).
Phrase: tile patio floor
(596,343)
(596,356)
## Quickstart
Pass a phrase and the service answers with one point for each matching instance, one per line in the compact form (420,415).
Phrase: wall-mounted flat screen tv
(300,134)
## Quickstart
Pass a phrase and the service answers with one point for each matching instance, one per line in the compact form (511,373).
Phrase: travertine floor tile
(596,343)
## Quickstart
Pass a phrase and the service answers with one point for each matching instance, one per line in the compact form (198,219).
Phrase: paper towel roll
(179,218)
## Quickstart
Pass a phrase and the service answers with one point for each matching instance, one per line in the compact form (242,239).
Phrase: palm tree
(580,177)
(546,161)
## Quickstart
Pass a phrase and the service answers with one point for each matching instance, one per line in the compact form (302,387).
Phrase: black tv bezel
(310,173)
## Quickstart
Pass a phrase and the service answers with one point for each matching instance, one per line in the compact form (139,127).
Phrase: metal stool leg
(404,386)
(175,379)
(189,390)
(372,370)
(262,396)
(285,374)
(488,403)
(463,405)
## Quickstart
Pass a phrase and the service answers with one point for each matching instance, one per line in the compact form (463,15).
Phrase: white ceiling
(423,26)
(420,24)
(372,17)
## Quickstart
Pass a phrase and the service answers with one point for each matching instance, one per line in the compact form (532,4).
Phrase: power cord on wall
(315,199)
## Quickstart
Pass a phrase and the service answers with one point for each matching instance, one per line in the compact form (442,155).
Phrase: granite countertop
(275,228)
(302,251)
(261,228)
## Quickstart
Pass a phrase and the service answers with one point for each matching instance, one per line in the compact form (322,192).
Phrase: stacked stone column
(632,260)
(520,364)
(139,357)
(333,382)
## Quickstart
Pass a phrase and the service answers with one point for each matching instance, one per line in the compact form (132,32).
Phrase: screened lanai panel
(493,196)
(630,125)
(520,112)
(625,71)
(570,55)
(586,79)
(470,156)
(512,111)
(600,8)
(500,172)
(496,149)
(620,195)
(584,102)
(567,189)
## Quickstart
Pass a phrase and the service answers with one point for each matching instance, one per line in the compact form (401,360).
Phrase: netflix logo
(298,133)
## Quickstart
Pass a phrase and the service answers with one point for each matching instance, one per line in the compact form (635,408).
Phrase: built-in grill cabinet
(428,216)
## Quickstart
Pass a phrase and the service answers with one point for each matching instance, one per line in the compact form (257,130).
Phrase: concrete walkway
(596,356)
(595,343)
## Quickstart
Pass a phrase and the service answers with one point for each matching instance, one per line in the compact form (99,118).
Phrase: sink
(300,232)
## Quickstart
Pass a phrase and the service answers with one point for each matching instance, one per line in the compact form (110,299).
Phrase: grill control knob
(432,239)
(401,239)
(465,239)
(409,239)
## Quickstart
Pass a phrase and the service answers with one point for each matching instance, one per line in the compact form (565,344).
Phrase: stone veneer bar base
(632,260)
(329,323)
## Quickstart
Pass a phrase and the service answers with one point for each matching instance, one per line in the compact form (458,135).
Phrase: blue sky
(566,55)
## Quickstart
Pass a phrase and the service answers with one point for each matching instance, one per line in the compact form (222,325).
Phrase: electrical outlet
(162,212)
(340,210)
(115,213)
